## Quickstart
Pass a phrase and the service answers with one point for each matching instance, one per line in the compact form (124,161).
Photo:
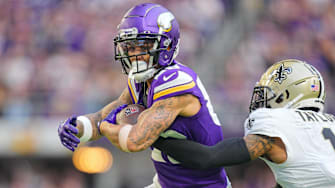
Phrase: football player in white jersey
(286,128)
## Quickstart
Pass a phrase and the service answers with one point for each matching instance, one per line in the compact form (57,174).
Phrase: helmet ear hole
(280,99)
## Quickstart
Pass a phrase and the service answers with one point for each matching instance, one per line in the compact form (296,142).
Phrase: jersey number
(328,134)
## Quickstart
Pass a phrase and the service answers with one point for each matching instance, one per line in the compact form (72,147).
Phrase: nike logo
(165,78)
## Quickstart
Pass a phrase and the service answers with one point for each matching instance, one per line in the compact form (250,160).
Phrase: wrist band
(87,128)
(123,137)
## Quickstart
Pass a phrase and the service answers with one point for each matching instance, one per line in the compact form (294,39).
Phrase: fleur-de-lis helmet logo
(281,73)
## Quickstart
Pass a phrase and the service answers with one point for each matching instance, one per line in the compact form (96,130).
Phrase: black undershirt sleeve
(231,151)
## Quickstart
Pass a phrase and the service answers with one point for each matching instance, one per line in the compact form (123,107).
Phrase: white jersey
(309,138)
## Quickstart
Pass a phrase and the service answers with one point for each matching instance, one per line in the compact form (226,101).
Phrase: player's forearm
(114,134)
(146,131)
(194,155)
(152,122)
(96,118)
(190,154)
(111,132)
(136,144)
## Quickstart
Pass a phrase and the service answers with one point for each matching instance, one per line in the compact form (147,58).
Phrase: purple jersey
(204,127)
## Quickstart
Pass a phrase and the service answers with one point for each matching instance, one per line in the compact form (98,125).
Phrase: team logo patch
(131,110)
(165,78)
(281,73)
(164,21)
(250,123)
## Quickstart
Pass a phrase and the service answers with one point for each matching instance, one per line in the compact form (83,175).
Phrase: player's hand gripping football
(111,118)
(66,131)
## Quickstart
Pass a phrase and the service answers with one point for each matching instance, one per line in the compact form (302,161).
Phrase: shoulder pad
(263,121)
(171,80)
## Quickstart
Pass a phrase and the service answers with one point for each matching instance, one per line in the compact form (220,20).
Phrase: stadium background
(56,59)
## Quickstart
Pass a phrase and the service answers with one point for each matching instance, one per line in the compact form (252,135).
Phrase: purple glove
(111,118)
(66,131)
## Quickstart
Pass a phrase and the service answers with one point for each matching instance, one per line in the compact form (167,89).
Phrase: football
(129,114)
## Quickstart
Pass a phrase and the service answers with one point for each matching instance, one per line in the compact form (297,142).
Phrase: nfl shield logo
(131,110)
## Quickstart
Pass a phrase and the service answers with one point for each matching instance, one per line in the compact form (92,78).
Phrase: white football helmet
(289,84)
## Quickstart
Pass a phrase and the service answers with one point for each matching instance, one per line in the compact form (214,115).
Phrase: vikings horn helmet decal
(289,84)
(153,29)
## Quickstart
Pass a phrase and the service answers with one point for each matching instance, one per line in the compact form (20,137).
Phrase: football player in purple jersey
(177,104)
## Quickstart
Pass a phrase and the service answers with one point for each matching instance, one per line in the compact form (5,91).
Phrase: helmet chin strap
(141,76)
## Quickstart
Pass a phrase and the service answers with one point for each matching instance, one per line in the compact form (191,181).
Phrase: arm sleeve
(191,154)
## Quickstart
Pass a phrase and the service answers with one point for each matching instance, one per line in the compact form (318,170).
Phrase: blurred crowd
(37,173)
(57,57)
